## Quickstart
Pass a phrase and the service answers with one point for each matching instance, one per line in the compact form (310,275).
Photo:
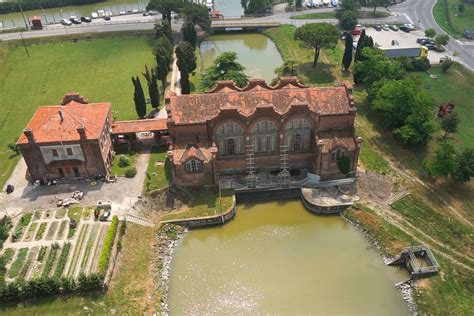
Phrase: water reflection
(277,258)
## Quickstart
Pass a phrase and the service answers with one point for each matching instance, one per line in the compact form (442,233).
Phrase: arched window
(337,154)
(264,137)
(230,139)
(193,166)
(297,134)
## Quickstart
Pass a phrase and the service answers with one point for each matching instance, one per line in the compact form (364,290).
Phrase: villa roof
(150,125)
(199,108)
(334,139)
(59,123)
(183,152)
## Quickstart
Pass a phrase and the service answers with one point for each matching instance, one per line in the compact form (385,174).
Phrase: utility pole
(24,20)
(24,44)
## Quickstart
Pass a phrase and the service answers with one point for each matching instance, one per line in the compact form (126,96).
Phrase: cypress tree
(150,77)
(360,45)
(139,98)
(162,69)
(347,58)
(186,63)
(189,33)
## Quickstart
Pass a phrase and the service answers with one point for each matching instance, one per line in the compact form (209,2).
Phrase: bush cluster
(130,173)
(123,161)
(108,243)
(45,286)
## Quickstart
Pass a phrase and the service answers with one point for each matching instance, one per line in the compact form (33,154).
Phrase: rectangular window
(263,144)
(69,151)
(273,143)
(54,152)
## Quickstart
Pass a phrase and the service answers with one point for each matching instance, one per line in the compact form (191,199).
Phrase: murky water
(256,52)
(229,8)
(277,258)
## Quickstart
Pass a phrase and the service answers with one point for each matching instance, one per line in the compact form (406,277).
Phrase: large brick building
(224,131)
(71,140)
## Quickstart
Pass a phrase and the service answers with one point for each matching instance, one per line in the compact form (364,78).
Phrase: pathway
(175,85)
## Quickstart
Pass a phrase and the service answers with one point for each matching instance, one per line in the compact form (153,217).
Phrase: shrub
(107,249)
(123,161)
(420,64)
(430,32)
(130,173)
(89,282)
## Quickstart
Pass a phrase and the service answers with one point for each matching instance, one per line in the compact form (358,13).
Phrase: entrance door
(76,172)
(61,172)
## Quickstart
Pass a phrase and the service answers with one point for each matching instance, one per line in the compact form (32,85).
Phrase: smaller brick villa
(71,140)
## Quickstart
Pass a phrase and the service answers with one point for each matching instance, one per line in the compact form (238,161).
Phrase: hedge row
(107,249)
(45,286)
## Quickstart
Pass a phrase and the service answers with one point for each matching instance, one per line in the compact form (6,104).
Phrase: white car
(65,22)
(409,26)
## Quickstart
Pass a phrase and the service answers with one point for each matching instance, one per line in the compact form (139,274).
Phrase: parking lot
(405,40)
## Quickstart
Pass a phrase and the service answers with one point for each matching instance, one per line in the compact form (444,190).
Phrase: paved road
(420,13)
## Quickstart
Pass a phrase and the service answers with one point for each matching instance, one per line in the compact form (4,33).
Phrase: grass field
(447,16)
(328,69)
(157,175)
(99,69)
(120,171)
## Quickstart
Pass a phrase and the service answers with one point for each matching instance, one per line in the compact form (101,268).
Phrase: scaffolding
(251,171)
(284,167)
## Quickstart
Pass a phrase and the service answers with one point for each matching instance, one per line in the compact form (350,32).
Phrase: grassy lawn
(328,70)
(205,204)
(99,69)
(318,15)
(449,292)
(120,171)
(158,172)
(130,292)
(455,84)
(447,16)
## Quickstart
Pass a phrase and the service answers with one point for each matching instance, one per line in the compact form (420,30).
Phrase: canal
(256,52)
(277,258)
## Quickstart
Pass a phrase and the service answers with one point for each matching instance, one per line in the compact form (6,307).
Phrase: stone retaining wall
(265,195)
(212,220)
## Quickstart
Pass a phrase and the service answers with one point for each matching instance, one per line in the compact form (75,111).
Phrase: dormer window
(69,151)
(193,166)
(54,152)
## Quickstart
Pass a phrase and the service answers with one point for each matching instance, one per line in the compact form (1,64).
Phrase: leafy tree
(318,35)
(464,170)
(290,2)
(14,147)
(347,57)
(347,20)
(186,64)
(162,69)
(164,48)
(224,67)
(377,3)
(288,69)
(406,108)
(256,6)
(299,4)
(348,5)
(163,29)
(165,7)
(196,14)
(364,41)
(189,34)
(441,39)
(449,123)
(430,32)
(443,163)
(152,84)
(139,97)
(376,66)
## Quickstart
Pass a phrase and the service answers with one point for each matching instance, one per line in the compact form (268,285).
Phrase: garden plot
(45,247)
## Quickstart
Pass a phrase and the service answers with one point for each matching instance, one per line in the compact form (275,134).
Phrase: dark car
(146,13)
(469,34)
(86,19)
(378,27)
(106,17)
(405,29)
(422,40)
(430,46)
(393,27)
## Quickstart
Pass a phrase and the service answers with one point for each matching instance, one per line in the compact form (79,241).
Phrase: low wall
(265,195)
(212,220)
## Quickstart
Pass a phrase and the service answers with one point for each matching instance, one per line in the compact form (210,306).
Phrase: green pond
(256,52)
(277,258)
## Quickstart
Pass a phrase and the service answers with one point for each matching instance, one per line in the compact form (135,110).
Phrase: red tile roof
(198,108)
(151,125)
(58,123)
(334,139)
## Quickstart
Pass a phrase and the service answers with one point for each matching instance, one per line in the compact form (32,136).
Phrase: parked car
(394,28)
(385,27)
(86,19)
(424,41)
(378,27)
(65,22)
(106,17)
(146,13)
(405,29)
(430,46)
(409,26)
(469,34)
(356,31)
(75,20)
